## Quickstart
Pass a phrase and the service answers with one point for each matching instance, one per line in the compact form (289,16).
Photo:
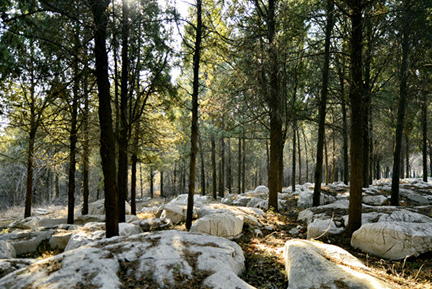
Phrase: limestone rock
(126,229)
(98,208)
(7,251)
(165,259)
(377,200)
(261,190)
(82,238)
(59,240)
(222,225)
(323,227)
(26,242)
(317,265)
(394,240)
(152,224)
(27,223)
(84,219)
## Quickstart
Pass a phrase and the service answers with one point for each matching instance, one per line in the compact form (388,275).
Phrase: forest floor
(263,250)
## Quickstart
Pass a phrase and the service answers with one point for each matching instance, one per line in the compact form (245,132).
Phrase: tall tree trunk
(194,129)
(222,168)
(333,157)
(107,135)
(345,142)
(142,182)
(122,174)
(152,182)
(239,164)
(30,159)
(86,149)
(213,165)
(327,174)
(229,174)
(299,158)
(73,138)
(402,101)
(356,96)
(424,136)
(244,165)
(134,162)
(275,112)
(306,155)
(323,104)
(293,174)
(161,184)
(203,177)
(407,174)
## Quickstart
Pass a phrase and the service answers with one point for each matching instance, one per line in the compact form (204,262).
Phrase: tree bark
(244,165)
(222,168)
(86,149)
(194,128)
(299,158)
(306,155)
(229,174)
(203,177)
(30,159)
(239,164)
(356,96)
(402,101)
(293,173)
(123,130)
(424,136)
(213,159)
(107,141)
(323,104)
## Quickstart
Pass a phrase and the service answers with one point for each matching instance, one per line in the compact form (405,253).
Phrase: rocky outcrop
(317,265)
(222,225)
(164,259)
(394,240)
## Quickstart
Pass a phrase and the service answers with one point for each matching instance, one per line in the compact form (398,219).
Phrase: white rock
(176,213)
(394,240)
(82,238)
(126,229)
(323,227)
(306,199)
(51,223)
(27,242)
(418,199)
(377,200)
(7,251)
(222,225)
(249,215)
(59,241)
(241,201)
(94,226)
(98,207)
(81,220)
(254,202)
(27,223)
(316,265)
(183,200)
(152,224)
(261,190)
(226,279)
(84,268)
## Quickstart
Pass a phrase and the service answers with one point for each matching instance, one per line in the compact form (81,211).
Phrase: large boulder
(222,225)
(84,219)
(324,227)
(394,240)
(317,265)
(166,259)
(7,251)
(376,200)
(305,199)
(249,215)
